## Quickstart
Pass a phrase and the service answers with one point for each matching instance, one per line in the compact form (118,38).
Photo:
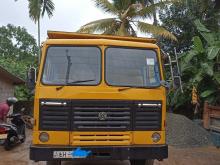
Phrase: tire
(7,145)
(24,134)
(142,162)
(53,163)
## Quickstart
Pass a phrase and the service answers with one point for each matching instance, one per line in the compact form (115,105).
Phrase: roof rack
(72,35)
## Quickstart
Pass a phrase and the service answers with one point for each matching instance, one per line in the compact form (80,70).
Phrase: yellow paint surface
(102,91)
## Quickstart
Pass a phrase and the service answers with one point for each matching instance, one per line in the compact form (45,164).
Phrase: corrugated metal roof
(10,77)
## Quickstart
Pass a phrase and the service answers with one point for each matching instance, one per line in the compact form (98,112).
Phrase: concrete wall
(6,89)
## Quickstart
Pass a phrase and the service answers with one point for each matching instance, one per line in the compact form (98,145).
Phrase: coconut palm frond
(112,30)
(127,12)
(155,30)
(147,11)
(106,6)
(126,29)
(48,6)
(122,4)
(34,9)
(122,33)
(132,31)
(97,26)
(99,21)
(144,2)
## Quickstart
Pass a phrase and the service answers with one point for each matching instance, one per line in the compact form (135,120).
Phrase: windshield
(132,67)
(72,65)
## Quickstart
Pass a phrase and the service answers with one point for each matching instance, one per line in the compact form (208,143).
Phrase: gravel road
(197,150)
(177,156)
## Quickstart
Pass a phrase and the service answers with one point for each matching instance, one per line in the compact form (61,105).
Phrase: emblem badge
(102,115)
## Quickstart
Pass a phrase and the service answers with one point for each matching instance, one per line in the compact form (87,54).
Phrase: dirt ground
(191,156)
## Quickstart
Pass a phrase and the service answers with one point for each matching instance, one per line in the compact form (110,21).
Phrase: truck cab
(99,97)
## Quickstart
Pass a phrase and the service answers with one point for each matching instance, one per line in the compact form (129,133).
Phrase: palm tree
(128,14)
(147,3)
(37,9)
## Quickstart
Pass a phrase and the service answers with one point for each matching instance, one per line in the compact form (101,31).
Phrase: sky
(69,15)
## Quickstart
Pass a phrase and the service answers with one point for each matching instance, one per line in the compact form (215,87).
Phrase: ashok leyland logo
(102,115)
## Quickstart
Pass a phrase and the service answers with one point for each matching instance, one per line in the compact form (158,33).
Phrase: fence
(211,117)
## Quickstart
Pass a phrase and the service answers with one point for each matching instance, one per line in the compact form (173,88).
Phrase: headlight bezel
(156,137)
(44,137)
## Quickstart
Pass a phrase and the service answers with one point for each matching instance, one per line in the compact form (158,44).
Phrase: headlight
(156,137)
(44,137)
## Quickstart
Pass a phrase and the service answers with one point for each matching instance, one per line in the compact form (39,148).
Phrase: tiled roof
(10,77)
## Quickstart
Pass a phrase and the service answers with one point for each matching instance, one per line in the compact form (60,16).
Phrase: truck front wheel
(142,162)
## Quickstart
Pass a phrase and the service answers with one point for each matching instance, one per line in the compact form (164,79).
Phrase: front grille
(147,120)
(148,117)
(101,138)
(100,115)
(55,118)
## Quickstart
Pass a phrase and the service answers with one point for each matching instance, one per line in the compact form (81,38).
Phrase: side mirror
(31,78)
(165,84)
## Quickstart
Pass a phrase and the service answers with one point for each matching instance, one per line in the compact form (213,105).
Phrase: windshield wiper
(126,88)
(69,64)
(79,81)
(162,83)
(74,82)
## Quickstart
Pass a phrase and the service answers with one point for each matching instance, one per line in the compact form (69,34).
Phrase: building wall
(6,89)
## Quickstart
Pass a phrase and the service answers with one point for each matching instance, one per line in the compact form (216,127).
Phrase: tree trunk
(39,46)
(155,18)
(154,14)
(121,30)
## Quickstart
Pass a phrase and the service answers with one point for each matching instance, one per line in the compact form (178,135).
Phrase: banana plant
(200,67)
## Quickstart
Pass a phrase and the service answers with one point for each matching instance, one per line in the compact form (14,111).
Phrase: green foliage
(200,26)
(18,51)
(198,69)
(16,43)
(198,46)
(213,52)
(207,93)
(23,93)
(128,15)
(37,8)
(14,66)
(178,18)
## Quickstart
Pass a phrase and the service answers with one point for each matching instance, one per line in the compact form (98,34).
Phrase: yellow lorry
(99,97)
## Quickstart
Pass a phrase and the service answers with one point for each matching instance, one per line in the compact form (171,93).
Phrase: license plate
(77,153)
(62,154)
(3,136)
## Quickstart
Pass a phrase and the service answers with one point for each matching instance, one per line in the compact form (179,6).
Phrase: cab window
(132,67)
(80,65)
